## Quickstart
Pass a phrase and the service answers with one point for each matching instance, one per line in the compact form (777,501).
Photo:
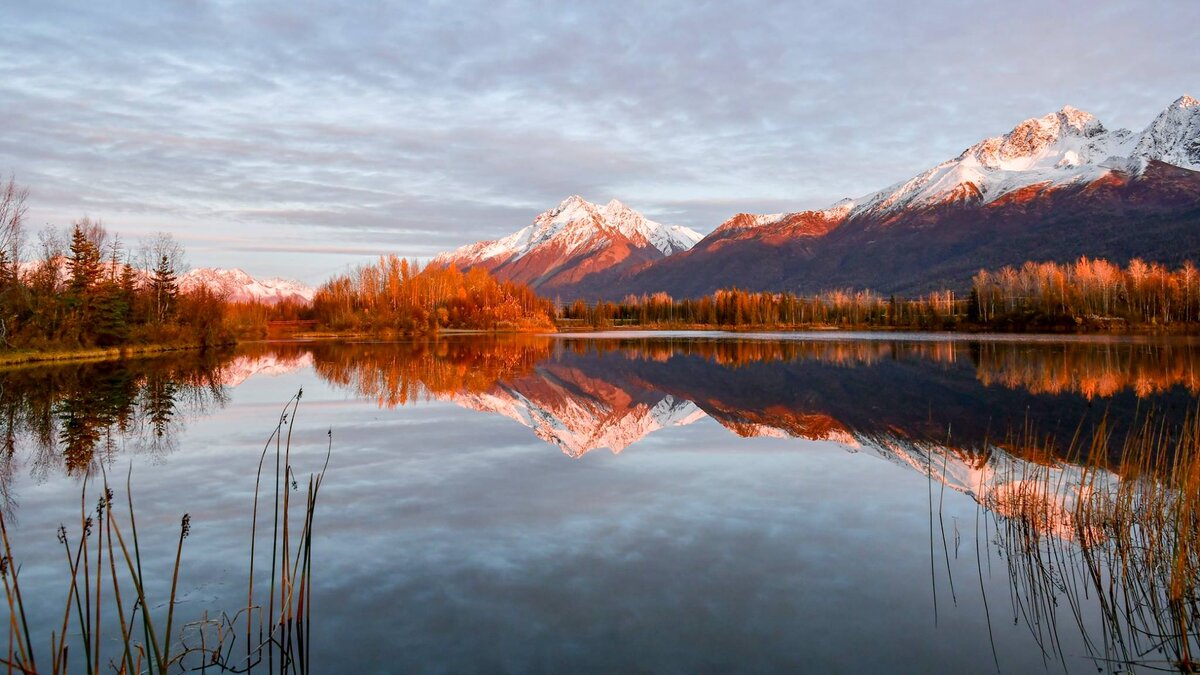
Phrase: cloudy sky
(297,138)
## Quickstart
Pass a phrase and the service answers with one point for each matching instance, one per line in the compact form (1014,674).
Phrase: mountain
(232,284)
(238,286)
(576,243)
(1053,188)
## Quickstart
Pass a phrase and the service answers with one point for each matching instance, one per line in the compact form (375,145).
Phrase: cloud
(412,127)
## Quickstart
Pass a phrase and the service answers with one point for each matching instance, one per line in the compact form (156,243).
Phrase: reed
(149,644)
(1104,540)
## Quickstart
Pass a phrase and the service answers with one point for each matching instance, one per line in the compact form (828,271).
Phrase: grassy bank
(26,356)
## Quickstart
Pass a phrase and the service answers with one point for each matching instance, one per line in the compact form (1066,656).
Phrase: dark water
(677,503)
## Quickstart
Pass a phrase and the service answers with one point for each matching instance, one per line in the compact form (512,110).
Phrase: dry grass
(105,581)
(1114,542)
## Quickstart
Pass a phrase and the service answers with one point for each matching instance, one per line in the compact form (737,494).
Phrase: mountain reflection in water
(587,394)
(991,419)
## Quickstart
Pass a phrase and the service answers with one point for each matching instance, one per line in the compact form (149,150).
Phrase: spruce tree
(83,263)
(163,289)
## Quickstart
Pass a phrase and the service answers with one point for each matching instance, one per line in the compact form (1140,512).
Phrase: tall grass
(1104,541)
(106,585)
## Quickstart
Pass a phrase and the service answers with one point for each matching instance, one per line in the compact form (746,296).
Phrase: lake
(624,502)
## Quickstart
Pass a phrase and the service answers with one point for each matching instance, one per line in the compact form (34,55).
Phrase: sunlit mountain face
(1054,187)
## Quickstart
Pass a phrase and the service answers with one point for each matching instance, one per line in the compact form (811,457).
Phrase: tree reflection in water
(1040,433)
(65,418)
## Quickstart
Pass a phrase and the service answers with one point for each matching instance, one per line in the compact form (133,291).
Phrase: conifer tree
(83,263)
(163,289)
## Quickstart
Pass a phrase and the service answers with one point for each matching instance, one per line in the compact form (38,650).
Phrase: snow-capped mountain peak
(1069,146)
(1057,136)
(1066,147)
(1174,136)
(669,239)
(576,226)
(237,285)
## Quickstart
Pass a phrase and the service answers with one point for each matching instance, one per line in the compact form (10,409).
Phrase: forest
(84,287)
(1088,294)
(396,295)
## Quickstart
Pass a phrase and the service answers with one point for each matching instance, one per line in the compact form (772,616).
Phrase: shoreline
(827,328)
(33,356)
(23,357)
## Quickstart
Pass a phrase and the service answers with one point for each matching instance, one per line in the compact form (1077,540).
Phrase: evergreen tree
(83,263)
(127,283)
(110,324)
(163,289)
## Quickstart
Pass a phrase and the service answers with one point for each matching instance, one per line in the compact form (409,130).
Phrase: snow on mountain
(1174,136)
(666,238)
(576,226)
(238,286)
(748,222)
(1068,146)
(1065,147)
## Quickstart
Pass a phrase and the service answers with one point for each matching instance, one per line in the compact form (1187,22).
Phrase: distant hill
(236,285)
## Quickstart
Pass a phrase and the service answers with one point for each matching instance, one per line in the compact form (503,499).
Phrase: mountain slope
(1054,188)
(236,285)
(576,241)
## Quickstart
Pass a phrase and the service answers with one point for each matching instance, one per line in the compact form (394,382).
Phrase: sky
(298,139)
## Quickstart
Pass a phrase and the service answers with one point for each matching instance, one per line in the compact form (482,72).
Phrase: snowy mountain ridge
(576,226)
(1069,146)
(236,285)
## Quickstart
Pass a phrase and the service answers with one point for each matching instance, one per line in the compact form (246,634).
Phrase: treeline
(83,287)
(1085,294)
(736,308)
(396,295)
(88,290)
(1088,290)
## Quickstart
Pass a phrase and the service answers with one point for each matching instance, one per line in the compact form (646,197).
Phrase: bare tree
(152,249)
(13,205)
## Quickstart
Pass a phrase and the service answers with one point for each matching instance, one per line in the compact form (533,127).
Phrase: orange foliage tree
(394,294)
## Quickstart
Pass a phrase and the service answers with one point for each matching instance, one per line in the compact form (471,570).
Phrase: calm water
(671,503)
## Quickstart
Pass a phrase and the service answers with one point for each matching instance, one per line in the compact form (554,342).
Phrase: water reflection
(1009,424)
(586,394)
(66,418)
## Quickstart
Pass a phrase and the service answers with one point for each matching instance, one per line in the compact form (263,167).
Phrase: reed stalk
(86,609)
